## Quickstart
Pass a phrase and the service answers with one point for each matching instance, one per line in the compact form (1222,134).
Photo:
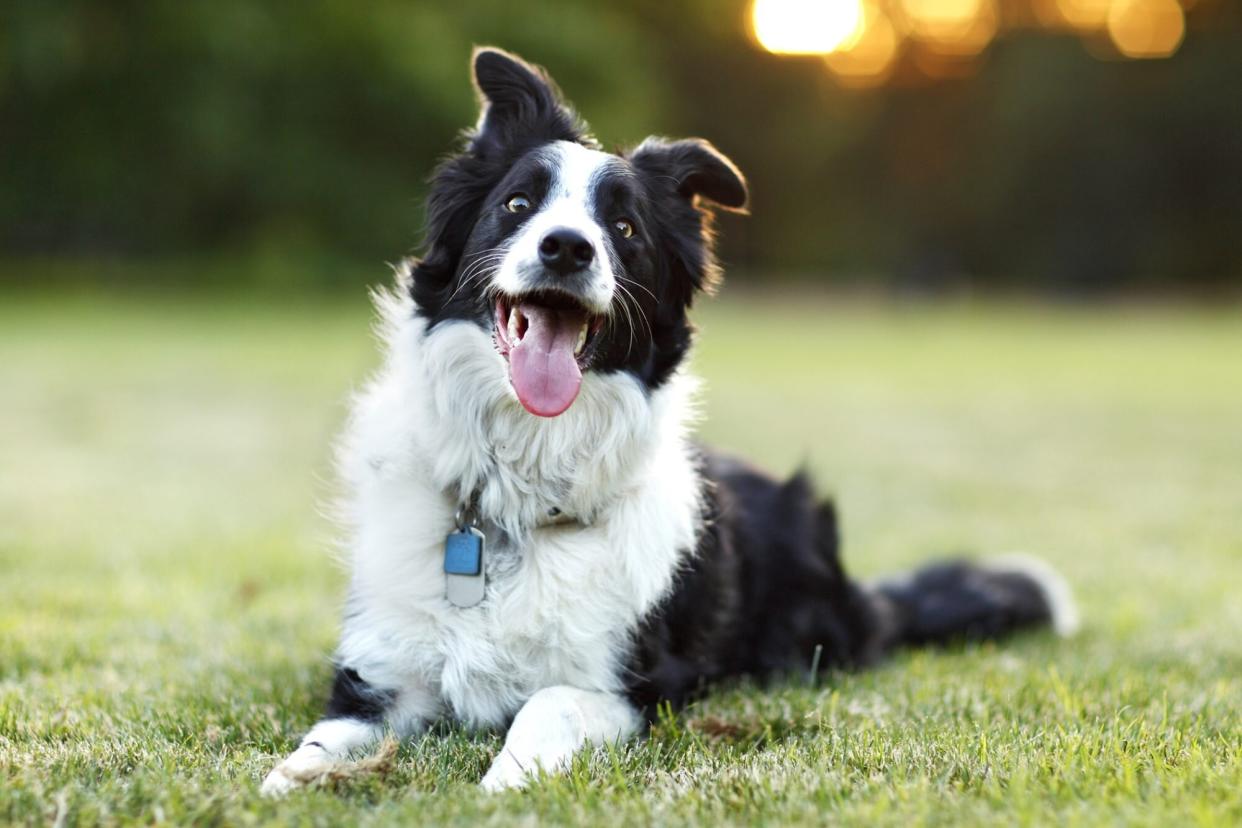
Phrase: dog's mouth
(548,339)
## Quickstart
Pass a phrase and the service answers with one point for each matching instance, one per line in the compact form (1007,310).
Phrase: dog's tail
(972,601)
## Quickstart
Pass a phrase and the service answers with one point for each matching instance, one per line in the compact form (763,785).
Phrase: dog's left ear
(680,176)
(520,104)
(695,168)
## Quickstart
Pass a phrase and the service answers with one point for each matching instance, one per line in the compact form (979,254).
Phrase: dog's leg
(356,719)
(552,725)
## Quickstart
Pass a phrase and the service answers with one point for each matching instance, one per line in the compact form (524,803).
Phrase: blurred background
(988,295)
(1061,147)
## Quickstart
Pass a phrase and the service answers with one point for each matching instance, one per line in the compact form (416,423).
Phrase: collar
(468,515)
(556,517)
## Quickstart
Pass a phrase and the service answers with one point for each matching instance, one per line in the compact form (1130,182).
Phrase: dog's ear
(520,105)
(680,176)
(695,168)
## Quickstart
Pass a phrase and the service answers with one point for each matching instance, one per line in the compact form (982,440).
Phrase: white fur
(551,727)
(441,421)
(569,203)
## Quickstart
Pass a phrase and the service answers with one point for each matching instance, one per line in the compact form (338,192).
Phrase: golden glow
(943,18)
(1146,28)
(952,27)
(1047,15)
(1085,14)
(861,41)
(806,27)
(870,59)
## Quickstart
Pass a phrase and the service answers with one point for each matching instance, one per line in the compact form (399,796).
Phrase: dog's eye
(517,203)
(625,227)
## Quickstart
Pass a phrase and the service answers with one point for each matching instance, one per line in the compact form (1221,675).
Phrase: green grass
(167,593)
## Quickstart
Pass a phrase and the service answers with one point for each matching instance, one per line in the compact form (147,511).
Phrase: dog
(535,540)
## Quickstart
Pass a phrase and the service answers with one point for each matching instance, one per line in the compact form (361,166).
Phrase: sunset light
(952,27)
(872,55)
(806,27)
(1084,14)
(866,42)
(1146,28)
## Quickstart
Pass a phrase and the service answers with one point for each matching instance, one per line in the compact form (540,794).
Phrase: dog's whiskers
(639,285)
(627,294)
(479,264)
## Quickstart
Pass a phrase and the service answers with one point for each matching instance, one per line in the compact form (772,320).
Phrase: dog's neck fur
(473,439)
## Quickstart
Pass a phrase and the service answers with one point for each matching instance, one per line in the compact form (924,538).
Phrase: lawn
(168,593)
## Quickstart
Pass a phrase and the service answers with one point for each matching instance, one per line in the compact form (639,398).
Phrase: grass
(167,600)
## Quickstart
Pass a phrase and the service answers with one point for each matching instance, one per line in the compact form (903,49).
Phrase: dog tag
(463,566)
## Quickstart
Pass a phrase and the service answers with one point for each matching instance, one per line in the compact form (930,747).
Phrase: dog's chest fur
(438,426)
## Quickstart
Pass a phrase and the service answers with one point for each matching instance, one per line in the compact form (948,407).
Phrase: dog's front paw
(506,773)
(300,769)
(277,783)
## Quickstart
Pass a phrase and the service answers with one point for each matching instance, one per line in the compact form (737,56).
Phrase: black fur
(353,698)
(764,589)
(959,600)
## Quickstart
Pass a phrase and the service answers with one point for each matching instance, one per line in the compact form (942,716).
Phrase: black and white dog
(536,542)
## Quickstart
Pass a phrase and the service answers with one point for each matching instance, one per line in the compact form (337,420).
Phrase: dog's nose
(565,250)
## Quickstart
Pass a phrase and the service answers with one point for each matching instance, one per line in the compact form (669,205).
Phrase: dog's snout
(565,250)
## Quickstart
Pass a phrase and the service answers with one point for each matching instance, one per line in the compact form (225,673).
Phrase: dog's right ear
(521,109)
(521,106)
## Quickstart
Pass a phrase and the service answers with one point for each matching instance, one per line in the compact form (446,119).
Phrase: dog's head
(575,259)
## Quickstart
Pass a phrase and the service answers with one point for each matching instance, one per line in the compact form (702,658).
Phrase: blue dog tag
(463,552)
(463,567)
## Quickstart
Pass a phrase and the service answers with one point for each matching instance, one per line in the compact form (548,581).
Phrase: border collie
(535,540)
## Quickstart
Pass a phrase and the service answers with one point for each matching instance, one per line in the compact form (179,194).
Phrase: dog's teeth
(582,338)
(513,326)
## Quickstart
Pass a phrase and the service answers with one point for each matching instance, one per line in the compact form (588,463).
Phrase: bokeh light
(806,27)
(952,27)
(871,58)
(1146,28)
(867,42)
(1084,14)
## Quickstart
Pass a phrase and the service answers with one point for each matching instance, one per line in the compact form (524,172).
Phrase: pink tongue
(542,366)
